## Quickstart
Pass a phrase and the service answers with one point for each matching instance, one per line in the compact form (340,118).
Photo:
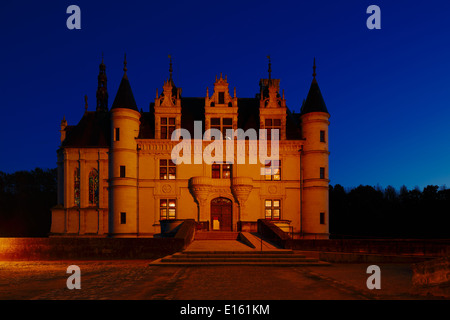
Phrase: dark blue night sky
(388,90)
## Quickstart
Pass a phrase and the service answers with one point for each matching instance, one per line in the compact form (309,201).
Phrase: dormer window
(222,124)
(272,124)
(167,127)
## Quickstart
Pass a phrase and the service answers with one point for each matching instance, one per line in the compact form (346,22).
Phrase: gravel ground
(136,280)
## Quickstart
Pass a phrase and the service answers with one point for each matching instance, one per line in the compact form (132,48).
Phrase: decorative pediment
(170,96)
(221,96)
(270,96)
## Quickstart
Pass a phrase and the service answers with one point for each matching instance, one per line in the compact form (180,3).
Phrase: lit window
(272,209)
(167,169)
(221,171)
(167,209)
(273,172)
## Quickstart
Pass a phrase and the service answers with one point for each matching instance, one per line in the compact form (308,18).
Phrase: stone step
(239,263)
(216,235)
(280,251)
(265,258)
(237,255)
(242,259)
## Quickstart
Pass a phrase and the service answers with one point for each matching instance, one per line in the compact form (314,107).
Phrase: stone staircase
(219,248)
(254,257)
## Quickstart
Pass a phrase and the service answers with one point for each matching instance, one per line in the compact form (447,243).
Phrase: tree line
(26,199)
(373,212)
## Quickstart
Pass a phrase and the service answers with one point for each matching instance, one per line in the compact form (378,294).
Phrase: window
(93,187)
(322,136)
(272,209)
(167,169)
(272,124)
(221,97)
(123,218)
(167,209)
(116,134)
(322,173)
(122,171)
(221,171)
(76,186)
(167,127)
(272,172)
(222,124)
(322,218)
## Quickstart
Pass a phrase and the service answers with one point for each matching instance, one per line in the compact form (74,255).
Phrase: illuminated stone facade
(116,177)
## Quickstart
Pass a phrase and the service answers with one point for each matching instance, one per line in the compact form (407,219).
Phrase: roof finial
(102,58)
(270,68)
(125,64)
(170,68)
(314,69)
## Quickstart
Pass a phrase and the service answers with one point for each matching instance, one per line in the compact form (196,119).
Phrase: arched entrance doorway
(221,213)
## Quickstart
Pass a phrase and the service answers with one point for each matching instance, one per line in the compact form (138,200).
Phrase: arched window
(76,186)
(93,187)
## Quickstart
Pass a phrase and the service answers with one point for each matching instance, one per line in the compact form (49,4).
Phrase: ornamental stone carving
(200,188)
(241,187)
(166,188)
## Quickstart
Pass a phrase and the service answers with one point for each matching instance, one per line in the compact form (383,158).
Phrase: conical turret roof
(124,97)
(314,101)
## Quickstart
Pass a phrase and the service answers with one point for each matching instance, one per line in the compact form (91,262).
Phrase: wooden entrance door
(221,212)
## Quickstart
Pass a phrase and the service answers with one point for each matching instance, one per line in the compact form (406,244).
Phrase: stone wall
(422,247)
(432,277)
(88,248)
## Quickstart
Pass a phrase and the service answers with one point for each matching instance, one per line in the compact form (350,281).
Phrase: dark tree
(26,198)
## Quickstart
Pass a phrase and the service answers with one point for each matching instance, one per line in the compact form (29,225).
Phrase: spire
(102,91)
(270,68)
(314,101)
(170,68)
(314,70)
(125,66)
(124,97)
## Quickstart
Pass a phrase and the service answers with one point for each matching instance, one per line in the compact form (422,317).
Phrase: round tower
(123,207)
(315,174)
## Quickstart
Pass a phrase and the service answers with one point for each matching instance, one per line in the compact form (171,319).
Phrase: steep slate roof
(93,130)
(124,97)
(314,102)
